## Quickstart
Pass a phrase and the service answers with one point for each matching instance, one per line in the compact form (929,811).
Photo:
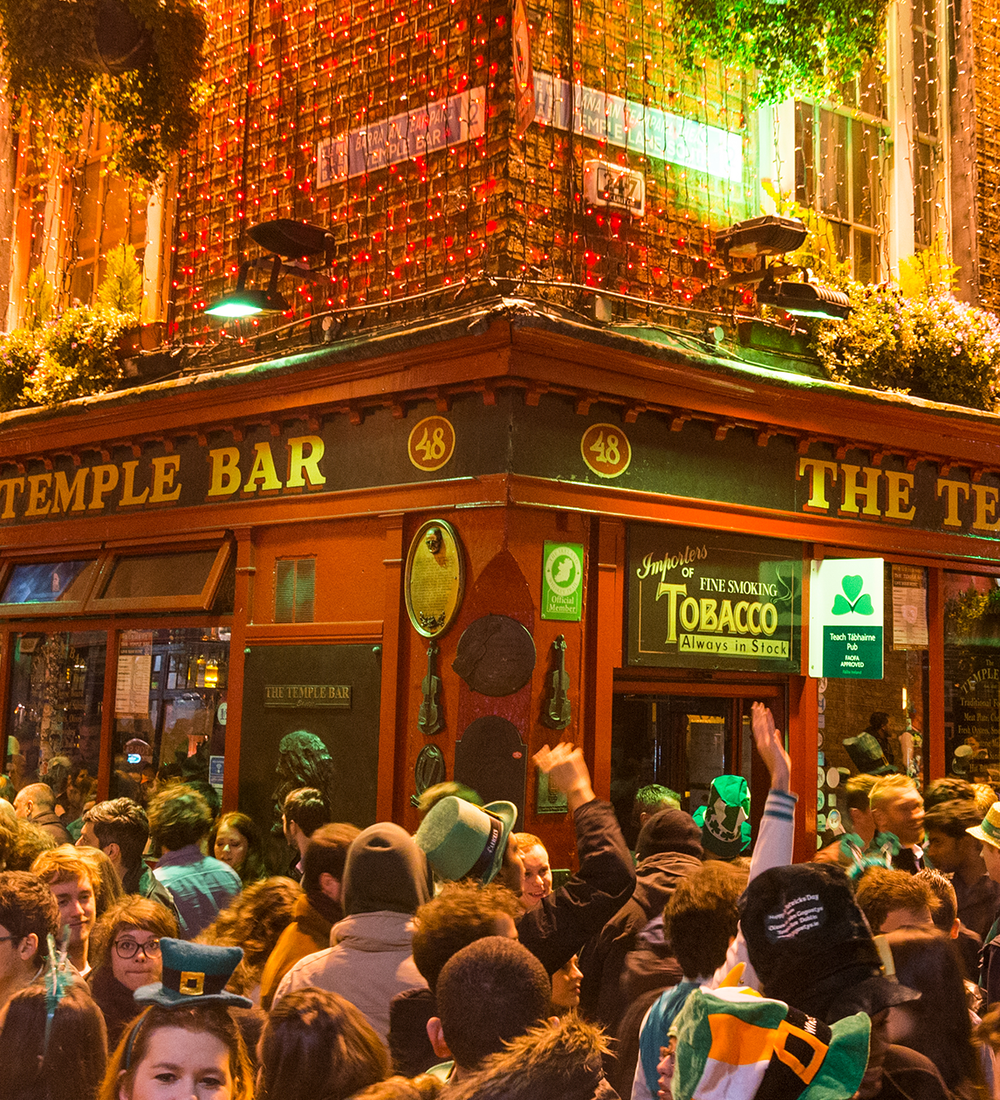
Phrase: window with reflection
(877,727)
(170,708)
(57,690)
(62,582)
(972,676)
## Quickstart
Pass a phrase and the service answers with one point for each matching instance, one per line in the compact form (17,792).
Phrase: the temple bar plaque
(307,695)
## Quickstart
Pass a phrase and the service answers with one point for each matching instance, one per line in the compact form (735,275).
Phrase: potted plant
(916,338)
(140,61)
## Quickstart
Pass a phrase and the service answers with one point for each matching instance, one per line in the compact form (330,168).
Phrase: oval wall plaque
(435,578)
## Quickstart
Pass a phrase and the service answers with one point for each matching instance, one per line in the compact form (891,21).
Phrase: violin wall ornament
(430,718)
(557,712)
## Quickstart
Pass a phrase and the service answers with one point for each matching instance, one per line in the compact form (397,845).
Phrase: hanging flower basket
(795,47)
(139,61)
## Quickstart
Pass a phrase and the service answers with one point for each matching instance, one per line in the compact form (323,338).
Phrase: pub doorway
(682,736)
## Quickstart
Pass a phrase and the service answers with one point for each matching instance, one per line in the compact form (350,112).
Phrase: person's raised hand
(771,746)
(567,772)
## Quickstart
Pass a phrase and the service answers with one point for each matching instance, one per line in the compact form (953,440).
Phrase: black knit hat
(811,945)
(385,870)
(669,831)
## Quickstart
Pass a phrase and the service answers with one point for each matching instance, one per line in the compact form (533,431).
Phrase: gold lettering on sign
(307,695)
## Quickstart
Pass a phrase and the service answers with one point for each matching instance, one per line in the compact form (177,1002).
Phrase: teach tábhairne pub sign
(703,599)
(846,618)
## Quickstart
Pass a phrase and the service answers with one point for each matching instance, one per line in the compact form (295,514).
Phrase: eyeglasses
(4,939)
(127,949)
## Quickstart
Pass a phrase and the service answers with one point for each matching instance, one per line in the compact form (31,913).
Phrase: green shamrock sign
(846,632)
(853,599)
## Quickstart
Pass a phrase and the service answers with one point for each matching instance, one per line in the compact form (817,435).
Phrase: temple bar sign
(307,695)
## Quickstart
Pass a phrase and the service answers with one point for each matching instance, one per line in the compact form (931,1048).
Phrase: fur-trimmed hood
(559,1063)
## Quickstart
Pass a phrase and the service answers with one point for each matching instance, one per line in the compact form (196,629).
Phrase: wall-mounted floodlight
(284,239)
(291,239)
(248,303)
(774,236)
(803,299)
(768,236)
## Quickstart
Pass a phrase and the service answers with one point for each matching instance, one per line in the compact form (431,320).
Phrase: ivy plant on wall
(139,61)
(795,47)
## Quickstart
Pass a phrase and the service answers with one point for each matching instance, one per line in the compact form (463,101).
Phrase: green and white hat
(989,829)
(725,820)
(733,1042)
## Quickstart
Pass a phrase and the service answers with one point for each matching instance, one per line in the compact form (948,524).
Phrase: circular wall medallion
(496,655)
(606,450)
(435,577)
(431,443)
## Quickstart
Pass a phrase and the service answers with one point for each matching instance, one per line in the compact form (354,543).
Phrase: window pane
(805,157)
(48,582)
(864,256)
(170,707)
(160,575)
(849,707)
(833,165)
(972,677)
(57,687)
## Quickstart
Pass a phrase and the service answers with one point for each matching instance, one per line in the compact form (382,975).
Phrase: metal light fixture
(774,236)
(768,236)
(286,240)
(803,299)
(248,303)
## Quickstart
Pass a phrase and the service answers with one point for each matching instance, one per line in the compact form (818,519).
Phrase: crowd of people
(157,959)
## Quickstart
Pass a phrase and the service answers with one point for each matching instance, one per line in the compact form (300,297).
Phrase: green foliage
(927,273)
(80,356)
(38,300)
(874,346)
(20,354)
(818,253)
(931,346)
(121,287)
(797,47)
(957,353)
(153,108)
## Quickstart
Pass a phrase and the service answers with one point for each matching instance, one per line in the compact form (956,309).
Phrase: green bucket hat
(462,840)
(725,819)
(733,1042)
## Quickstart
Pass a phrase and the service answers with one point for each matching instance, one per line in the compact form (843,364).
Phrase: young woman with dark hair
(236,840)
(315,1044)
(126,956)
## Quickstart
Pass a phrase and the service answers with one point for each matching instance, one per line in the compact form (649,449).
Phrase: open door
(682,736)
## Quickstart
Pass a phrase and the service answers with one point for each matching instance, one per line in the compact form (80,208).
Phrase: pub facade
(376,573)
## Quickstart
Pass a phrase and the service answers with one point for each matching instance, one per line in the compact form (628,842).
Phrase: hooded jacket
(308,932)
(370,959)
(604,960)
(558,1063)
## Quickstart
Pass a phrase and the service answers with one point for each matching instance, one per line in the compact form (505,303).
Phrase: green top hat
(725,819)
(194,973)
(462,840)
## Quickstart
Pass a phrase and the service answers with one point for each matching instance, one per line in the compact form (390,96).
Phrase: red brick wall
(497,205)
